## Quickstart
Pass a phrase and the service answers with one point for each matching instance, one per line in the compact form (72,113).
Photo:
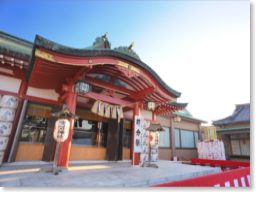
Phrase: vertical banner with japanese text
(138,131)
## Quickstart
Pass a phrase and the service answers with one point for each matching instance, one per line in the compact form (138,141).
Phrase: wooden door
(113,140)
(120,147)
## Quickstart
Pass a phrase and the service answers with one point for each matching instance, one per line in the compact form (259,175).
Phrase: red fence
(224,164)
(234,178)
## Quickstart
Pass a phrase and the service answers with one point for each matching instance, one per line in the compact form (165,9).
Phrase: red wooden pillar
(153,117)
(172,138)
(23,87)
(135,156)
(65,147)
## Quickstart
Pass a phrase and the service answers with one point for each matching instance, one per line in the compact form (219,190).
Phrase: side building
(234,130)
(182,131)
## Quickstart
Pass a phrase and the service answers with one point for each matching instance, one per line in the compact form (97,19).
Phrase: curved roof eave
(52,46)
(240,115)
(14,46)
(182,105)
(193,119)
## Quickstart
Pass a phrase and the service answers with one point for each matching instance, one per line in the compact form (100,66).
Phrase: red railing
(224,164)
(234,178)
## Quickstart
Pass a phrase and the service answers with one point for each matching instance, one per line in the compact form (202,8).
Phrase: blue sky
(199,48)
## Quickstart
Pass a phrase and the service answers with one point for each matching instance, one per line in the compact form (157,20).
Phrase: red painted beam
(42,100)
(101,97)
(145,92)
(103,84)
(72,60)
(9,93)
(83,70)
(65,88)
(84,105)
(63,97)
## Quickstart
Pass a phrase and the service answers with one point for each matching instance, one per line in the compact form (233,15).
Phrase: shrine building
(40,77)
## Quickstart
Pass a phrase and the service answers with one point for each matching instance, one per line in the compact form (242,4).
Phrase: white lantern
(154,137)
(61,130)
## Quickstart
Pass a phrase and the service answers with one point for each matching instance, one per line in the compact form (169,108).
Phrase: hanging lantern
(61,130)
(177,119)
(81,87)
(151,105)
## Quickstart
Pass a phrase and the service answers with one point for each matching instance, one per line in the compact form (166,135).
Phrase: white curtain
(196,136)
(187,139)
(235,147)
(164,138)
(177,138)
(245,147)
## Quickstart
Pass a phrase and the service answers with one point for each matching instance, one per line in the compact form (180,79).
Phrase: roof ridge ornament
(100,42)
(104,37)
(132,44)
(127,50)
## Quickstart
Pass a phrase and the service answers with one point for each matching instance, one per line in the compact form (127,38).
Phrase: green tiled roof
(185,113)
(13,43)
(234,128)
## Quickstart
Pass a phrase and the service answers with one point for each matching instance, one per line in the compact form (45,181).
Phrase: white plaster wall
(187,125)
(164,121)
(143,113)
(9,84)
(129,113)
(146,114)
(45,94)
(82,99)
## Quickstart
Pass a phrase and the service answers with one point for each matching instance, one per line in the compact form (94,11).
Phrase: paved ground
(97,174)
